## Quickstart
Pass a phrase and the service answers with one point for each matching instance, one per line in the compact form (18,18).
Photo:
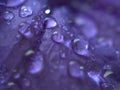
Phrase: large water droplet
(25,31)
(57,37)
(8,15)
(50,23)
(75,70)
(80,46)
(25,11)
(37,64)
(14,3)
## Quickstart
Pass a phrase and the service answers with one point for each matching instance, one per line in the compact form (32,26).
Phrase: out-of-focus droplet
(25,11)
(8,15)
(95,77)
(25,31)
(50,23)
(14,3)
(29,52)
(11,84)
(62,54)
(17,75)
(57,37)
(107,86)
(26,82)
(75,70)
(88,27)
(102,41)
(80,46)
(47,11)
(37,64)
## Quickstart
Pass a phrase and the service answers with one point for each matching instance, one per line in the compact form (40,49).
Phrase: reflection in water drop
(80,46)
(14,3)
(25,11)
(50,23)
(57,37)
(8,15)
(37,64)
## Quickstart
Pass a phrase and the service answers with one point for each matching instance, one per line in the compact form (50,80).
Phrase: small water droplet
(25,11)
(25,31)
(80,46)
(47,11)
(58,37)
(107,86)
(62,54)
(37,64)
(50,23)
(102,41)
(17,75)
(8,15)
(75,70)
(14,3)
(26,82)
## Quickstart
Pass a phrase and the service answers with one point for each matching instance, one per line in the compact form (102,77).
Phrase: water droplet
(14,3)
(26,82)
(25,11)
(11,84)
(80,46)
(8,15)
(75,70)
(37,64)
(62,54)
(47,11)
(102,41)
(29,52)
(107,86)
(25,31)
(95,77)
(50,23)
(58,37)
(107,73)
(17,75)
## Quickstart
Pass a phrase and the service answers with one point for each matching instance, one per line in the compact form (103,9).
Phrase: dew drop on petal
(8,15)
(25,11)
(25,31)
(47,11)
(57,37)
(37,64)
(50,23)
(80,46)
(75,70)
